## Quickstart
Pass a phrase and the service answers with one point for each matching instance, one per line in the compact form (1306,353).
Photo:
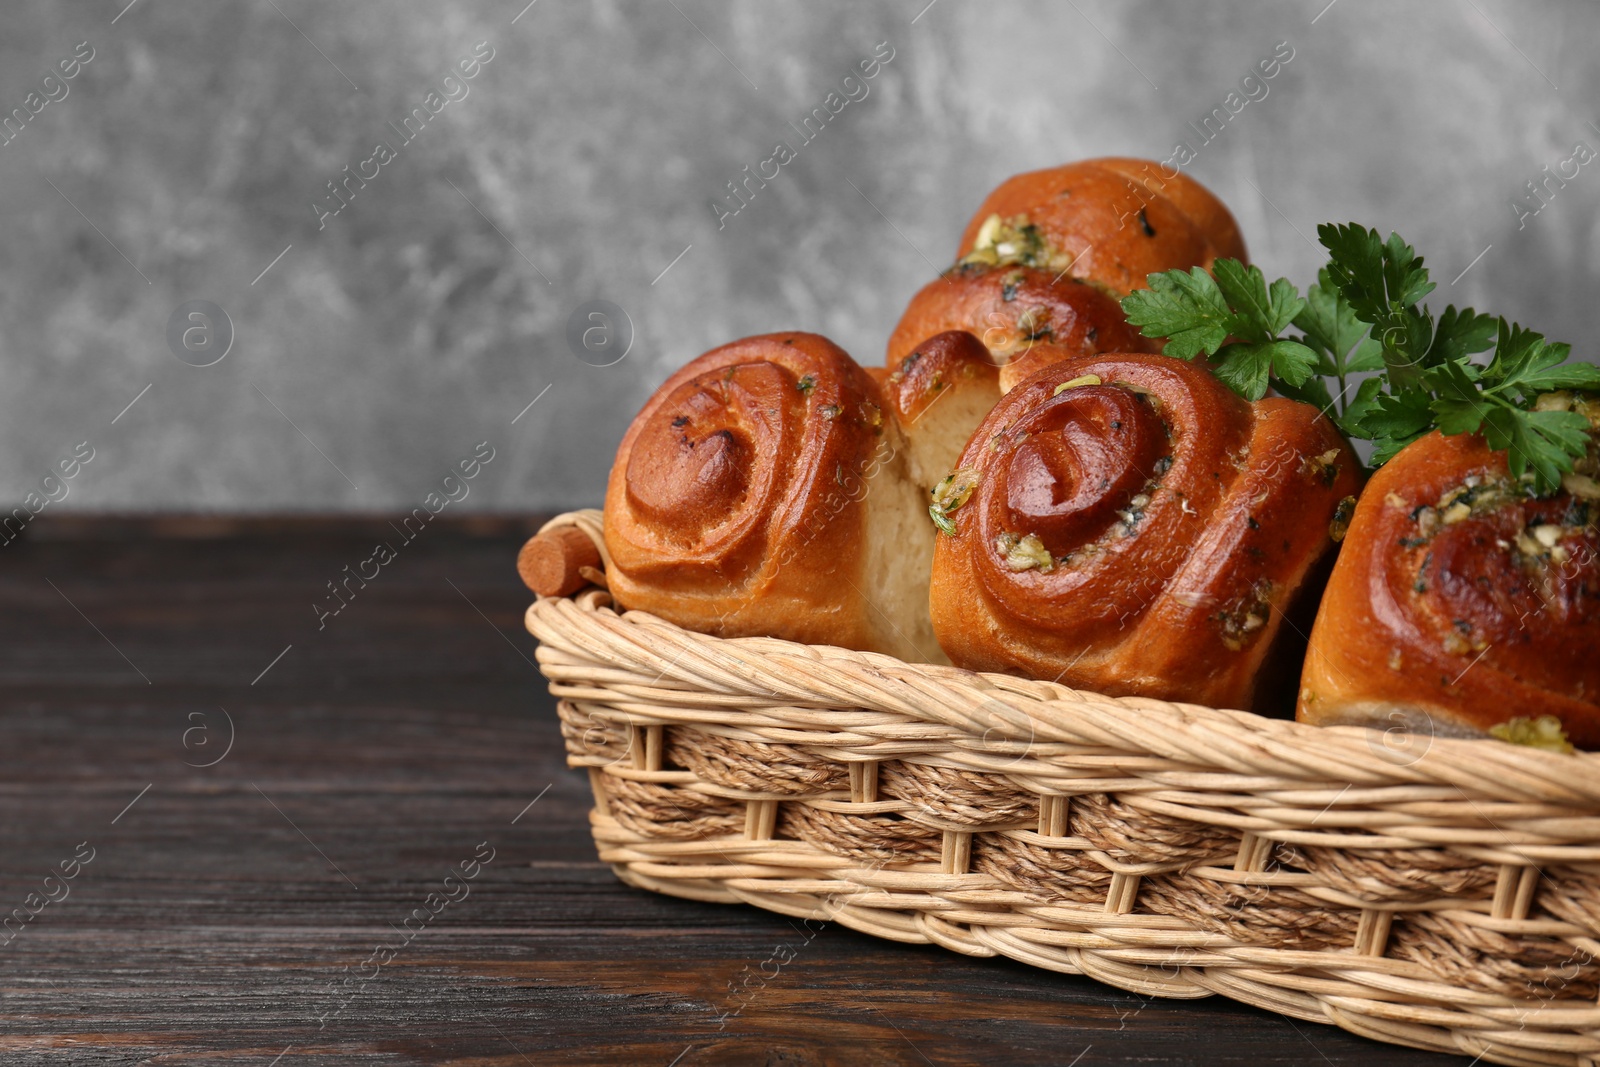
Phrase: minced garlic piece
(1247,616)
(1086,379)
(988,232)
(955,489)
(949,495)
(1024,553)
(1557,401)
(1542,732)
(1015,241)
(1581,485)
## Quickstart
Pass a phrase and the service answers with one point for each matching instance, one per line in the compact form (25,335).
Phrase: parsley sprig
(1198,312)
(1365,314)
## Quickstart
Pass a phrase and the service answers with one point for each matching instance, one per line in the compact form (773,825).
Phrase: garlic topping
(1014,241)
(1024,553)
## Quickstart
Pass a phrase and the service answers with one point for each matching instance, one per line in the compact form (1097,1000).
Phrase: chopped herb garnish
(1542,732)
(1012,242)
(1086,379)
(955,490)
(1024,553)
(806,384)
(1034,324)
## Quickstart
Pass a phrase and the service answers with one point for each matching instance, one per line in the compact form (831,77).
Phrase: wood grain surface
(231,912)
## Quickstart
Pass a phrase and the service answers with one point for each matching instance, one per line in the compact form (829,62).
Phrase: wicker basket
(1433,892)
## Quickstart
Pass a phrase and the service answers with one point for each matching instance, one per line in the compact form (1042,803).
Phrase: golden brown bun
(1109,221)
(1451,616)
(1012,311)
(763,491)
(1137,536)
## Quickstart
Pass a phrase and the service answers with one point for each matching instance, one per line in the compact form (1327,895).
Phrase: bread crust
(1451,616)
(1013,311)
(1113,221)
(752,495)
(1174,524)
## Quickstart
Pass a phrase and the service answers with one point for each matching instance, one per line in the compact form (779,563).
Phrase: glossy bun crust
(1108,221)
(1012,310)
(1136,529)
(1459,601)
(762,491)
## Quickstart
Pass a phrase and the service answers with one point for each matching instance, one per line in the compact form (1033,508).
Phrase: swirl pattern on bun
(763,491)
(1126,524)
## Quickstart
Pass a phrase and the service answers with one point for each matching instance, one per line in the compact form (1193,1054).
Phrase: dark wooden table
(231,912)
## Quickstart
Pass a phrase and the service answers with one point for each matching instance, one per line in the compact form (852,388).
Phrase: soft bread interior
(896,555)
(936,436)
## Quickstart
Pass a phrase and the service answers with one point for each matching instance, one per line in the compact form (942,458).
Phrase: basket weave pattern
(1439,893)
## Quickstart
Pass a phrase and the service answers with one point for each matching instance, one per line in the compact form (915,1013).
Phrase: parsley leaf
(1245,367)
(1525,363)
(1459,334)
(1383,281)
(1260,314)
(1377,277)
(1340,339)
(1186,308)
(1363,316)
(1329,322)
(1429,379)
(1545,441)
(1404,416)
(1198,312)
(1356,410)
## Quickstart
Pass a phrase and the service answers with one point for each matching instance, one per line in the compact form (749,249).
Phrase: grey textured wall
(423,318)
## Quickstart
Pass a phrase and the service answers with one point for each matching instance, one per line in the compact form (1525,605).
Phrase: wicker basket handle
(568,553)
